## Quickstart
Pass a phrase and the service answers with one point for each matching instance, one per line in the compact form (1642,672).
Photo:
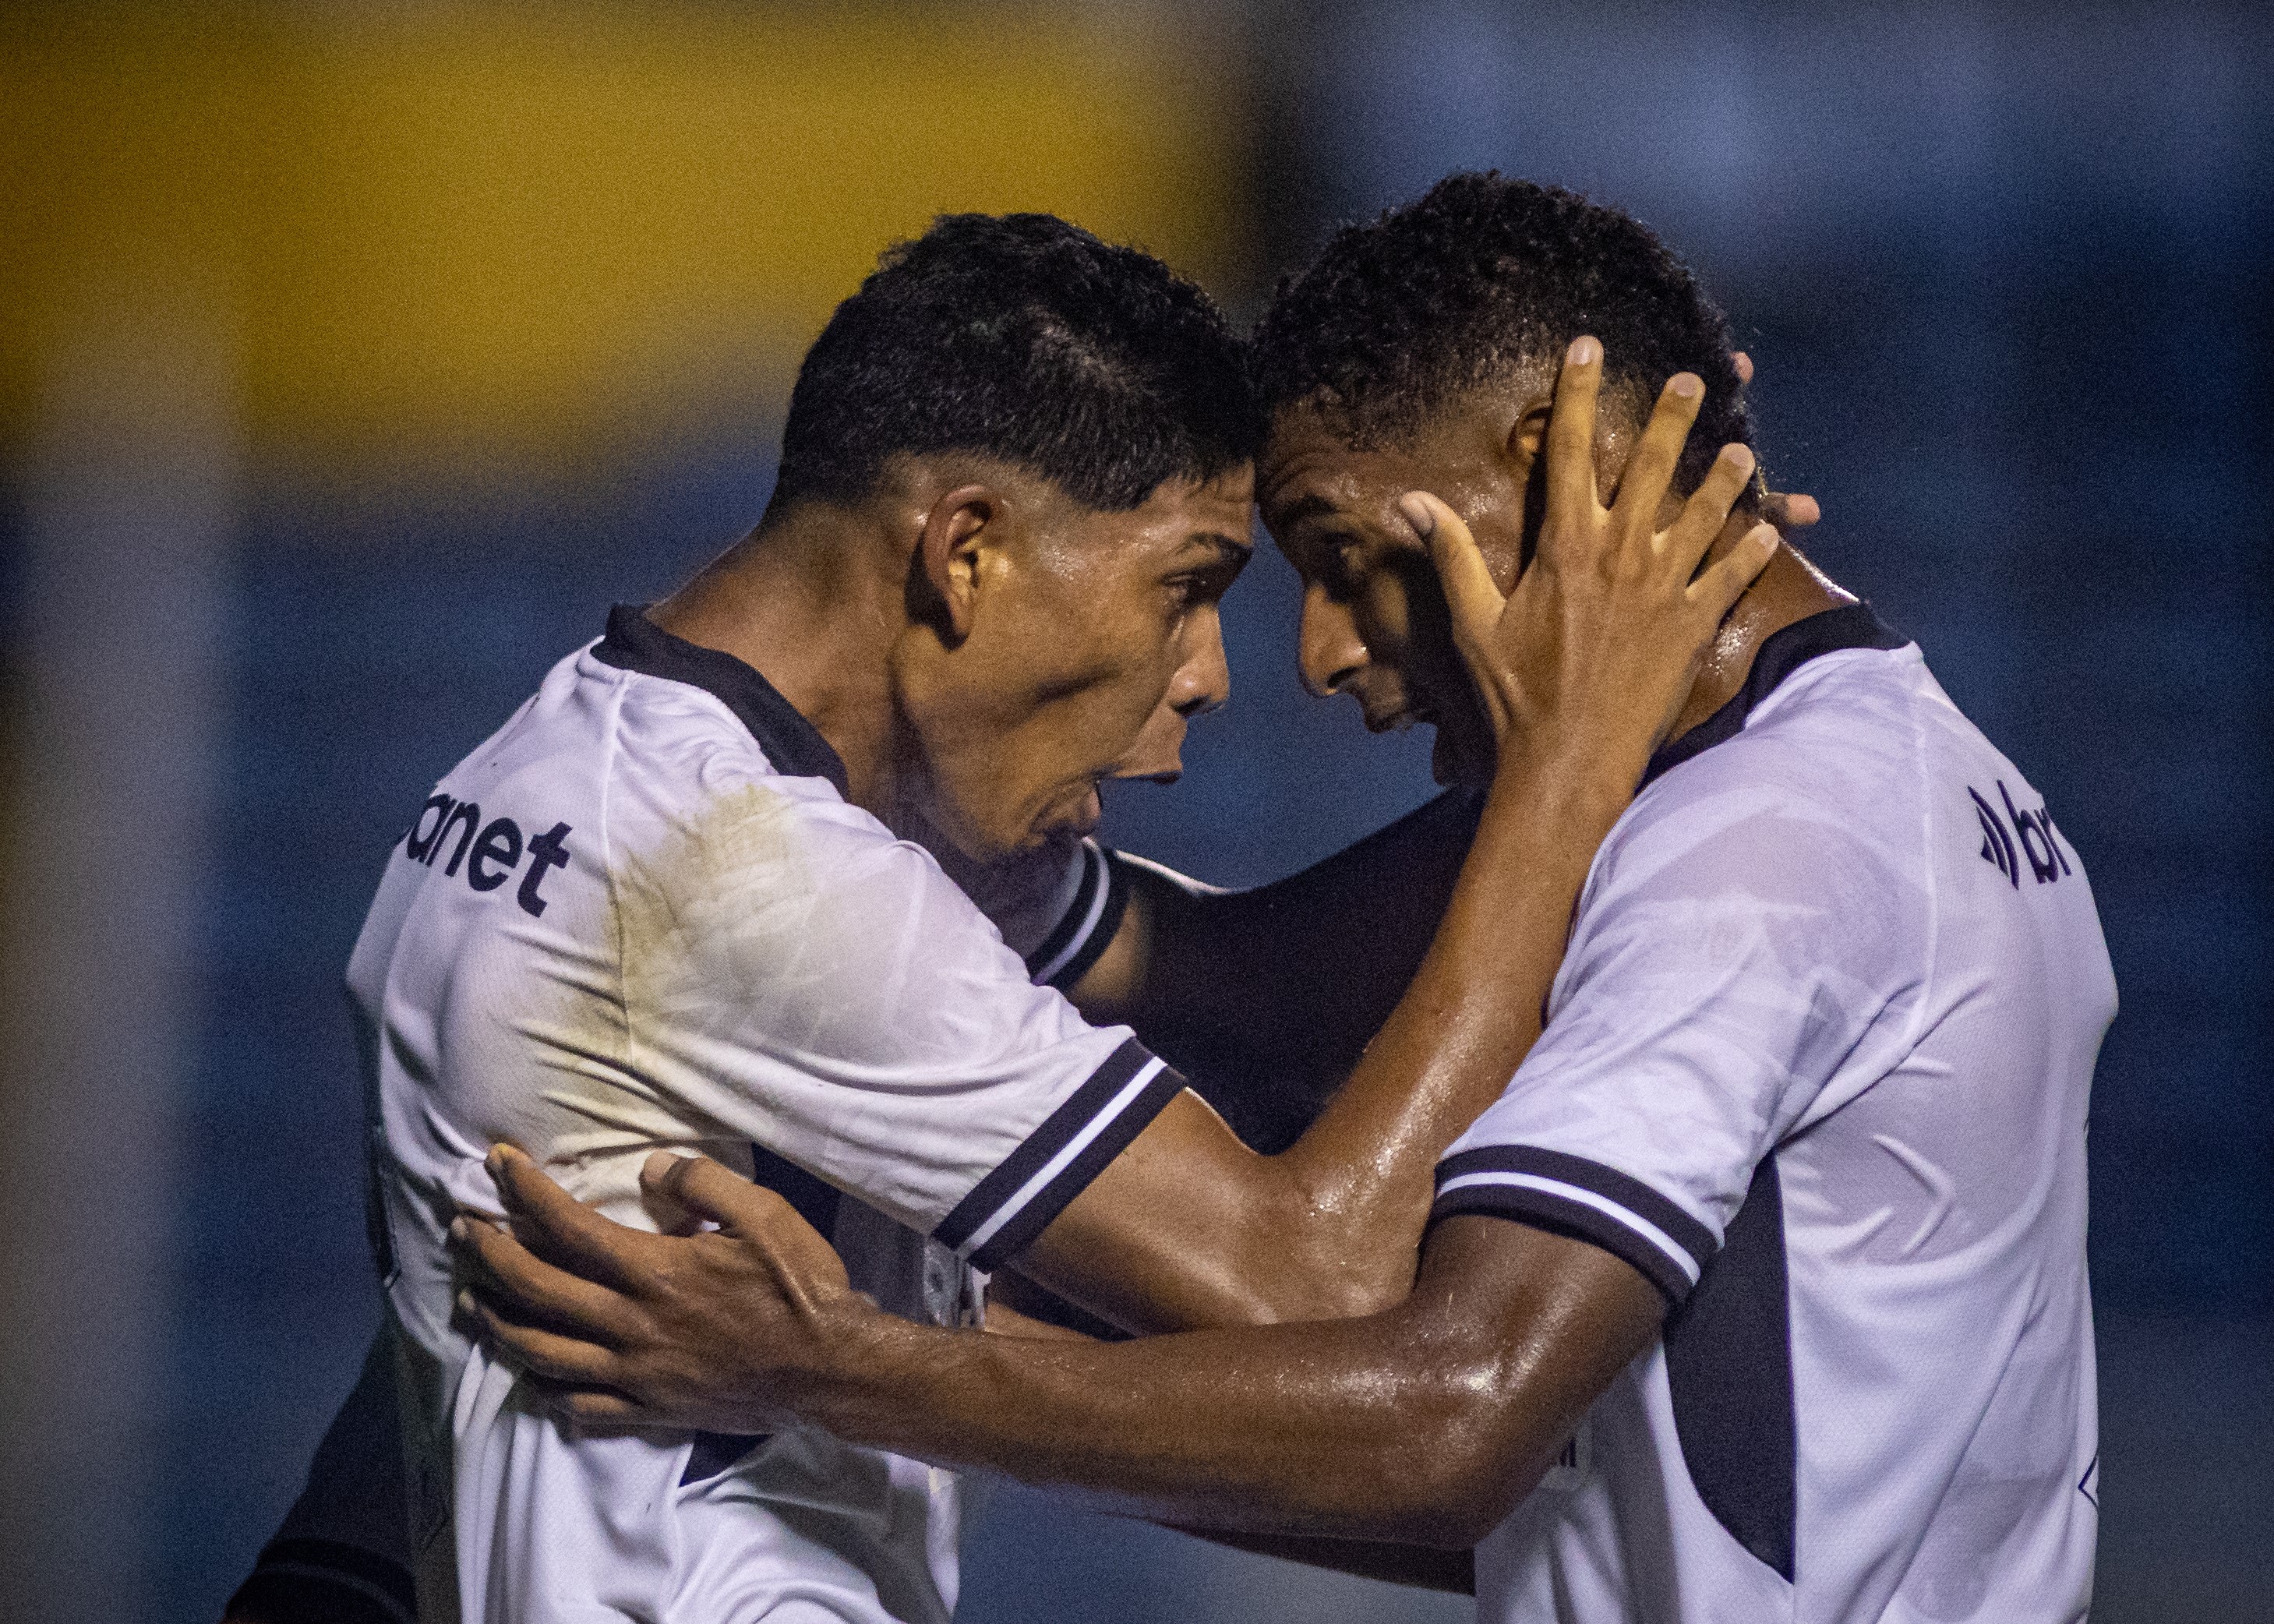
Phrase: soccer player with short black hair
(1759,1292)
(694,895)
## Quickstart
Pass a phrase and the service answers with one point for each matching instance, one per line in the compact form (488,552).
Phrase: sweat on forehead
(1476,283)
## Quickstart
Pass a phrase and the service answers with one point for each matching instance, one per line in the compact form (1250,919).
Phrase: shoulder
(1811,822)
(1831,758)
(683,748)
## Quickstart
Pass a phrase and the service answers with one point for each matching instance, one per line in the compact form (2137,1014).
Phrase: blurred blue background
(2004,272)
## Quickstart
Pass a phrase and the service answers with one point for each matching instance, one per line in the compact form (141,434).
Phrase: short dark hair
(1026,339)
(1398,317)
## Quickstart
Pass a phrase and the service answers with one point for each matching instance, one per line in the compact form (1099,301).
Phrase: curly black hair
(1027,339)
(1482,276)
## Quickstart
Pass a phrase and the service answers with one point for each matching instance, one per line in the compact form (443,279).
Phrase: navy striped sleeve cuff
(1085,929)
(1574,1195)
(1013,1204)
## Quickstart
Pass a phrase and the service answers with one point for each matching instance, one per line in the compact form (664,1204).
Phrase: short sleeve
(795,973)
(1058,908)
(1736,947)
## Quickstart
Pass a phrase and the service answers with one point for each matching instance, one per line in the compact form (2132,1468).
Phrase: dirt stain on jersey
(692,916)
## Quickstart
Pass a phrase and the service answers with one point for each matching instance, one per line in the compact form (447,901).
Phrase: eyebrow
(1233,552)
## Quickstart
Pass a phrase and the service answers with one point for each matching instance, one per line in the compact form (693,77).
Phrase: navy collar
(1850,626)
(793,744)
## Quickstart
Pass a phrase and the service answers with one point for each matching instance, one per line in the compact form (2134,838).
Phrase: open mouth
(1399,721)
(1086,809)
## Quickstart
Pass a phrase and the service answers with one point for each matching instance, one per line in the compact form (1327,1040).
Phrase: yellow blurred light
(521,227)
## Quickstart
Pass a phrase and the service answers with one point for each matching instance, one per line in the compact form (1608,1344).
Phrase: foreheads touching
(1419,350)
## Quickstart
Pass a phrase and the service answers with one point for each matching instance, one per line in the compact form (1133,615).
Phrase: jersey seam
(1916,1028)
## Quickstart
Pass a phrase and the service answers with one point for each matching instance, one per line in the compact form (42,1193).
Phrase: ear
(1528,436)
(957,529)
(1527,443)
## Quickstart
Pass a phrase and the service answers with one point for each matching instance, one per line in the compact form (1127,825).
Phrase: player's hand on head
(720,1330)
(1599,642)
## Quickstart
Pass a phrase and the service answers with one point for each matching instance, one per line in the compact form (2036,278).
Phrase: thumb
(1474,601)
(699,1188)
(800,1256)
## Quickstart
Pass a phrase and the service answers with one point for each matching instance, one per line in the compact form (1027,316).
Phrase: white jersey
(1817,1063)
(642,915)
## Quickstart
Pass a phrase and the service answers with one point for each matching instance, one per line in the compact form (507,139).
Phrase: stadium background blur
(354,358)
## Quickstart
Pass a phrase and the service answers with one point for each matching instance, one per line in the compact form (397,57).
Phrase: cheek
(1384,614)
(1103,719)
(1090,712)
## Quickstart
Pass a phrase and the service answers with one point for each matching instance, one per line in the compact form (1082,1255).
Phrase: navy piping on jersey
(1573,1194)
(1083,933)
(816,1202)
(1728,1372)
(793,744)
(1056,1161)
(1783,652)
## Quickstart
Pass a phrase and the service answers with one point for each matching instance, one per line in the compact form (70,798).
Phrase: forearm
(1267,997)
(1451,1571)
(1189,1228)
(1197,1428)
(1361,1177)
(1421,1424)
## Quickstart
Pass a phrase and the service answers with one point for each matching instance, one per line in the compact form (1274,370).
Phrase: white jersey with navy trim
(1817,1064)
(643,915)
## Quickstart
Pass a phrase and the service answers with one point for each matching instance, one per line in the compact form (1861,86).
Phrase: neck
(1790,588)
(804,602)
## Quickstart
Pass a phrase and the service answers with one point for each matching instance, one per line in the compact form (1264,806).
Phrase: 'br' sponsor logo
(490,856)
(2036,830)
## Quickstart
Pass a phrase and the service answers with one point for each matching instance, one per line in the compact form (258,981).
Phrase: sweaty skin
(1189,1226)
(1265,996)
(738,1328)
(1422,1424)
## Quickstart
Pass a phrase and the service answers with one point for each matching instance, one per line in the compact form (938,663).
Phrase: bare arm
(1582,667)
(1422,1424)
(1189,1226)
(1452,1571)
(1266,998)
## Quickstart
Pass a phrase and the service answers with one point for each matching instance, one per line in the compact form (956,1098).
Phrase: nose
(1203,682)
(1328,651)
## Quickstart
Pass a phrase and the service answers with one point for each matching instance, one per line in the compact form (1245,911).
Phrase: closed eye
(1209,582)
(1203,586)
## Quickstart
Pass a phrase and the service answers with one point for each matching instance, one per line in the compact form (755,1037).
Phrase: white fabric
(1810,941)
(727,955)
